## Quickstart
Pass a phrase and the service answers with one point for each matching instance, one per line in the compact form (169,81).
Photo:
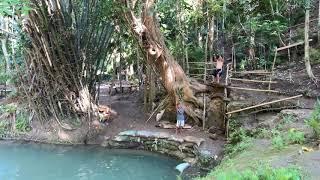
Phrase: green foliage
(21,119)
(238,142)
(4,77)
(314,56)
(6,6)
(314,120)
(278,142)
(3,127)
(22,123)
(8,108)
(293,136)
(264,172)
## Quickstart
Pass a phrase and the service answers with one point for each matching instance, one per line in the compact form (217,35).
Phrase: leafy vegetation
(314,121)
(293,136)
(238,142)
(14,117)
(262,172)
(22,122)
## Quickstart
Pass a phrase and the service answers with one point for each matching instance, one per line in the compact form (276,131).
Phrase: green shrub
(314,120)
(293,136)
(278,142)
(3,128)
(8,108)
(314,56)
(238,142)
(22,123)
(262,173)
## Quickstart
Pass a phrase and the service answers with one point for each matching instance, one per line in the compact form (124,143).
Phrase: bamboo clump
(67,48)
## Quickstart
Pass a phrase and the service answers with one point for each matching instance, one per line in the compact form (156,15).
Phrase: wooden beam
(251,80)
(262,104)
(251,72)
(250,89)
(292,45)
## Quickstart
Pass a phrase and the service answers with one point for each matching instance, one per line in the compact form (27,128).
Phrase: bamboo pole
(252,80)
(292,45)
(251,72)
(262,104)
(273,64)
(250,89)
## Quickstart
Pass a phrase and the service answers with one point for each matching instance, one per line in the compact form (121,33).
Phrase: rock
(297,114)
(193,139)
(105,143)
(266,120)
(147,134)
(168,125)
(128,133)
(121,138)
(181,167)
(175,138)
(191,161)
(213,136)
(206,158)
(163,135)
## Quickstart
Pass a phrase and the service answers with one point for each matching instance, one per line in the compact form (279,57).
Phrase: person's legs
(177,126)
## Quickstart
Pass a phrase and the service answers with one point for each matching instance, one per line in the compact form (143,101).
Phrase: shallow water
(49,162)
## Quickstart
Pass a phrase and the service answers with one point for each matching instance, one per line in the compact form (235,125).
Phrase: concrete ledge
(186,148)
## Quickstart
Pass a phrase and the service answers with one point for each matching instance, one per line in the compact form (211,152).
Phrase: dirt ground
(289,82)
(131,116)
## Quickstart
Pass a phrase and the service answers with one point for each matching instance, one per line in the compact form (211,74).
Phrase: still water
(28,161)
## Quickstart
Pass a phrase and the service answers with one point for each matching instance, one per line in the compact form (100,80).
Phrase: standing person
(218,71)
(180,117)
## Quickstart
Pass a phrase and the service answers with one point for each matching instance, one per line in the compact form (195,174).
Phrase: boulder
(193,139)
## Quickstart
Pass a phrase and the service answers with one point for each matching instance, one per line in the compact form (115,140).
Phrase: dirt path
(131,116)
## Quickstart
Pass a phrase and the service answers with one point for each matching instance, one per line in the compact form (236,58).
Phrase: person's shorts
(180,123)
(217,72)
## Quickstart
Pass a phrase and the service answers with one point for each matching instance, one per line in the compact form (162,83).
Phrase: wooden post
(273,64)
(234,59)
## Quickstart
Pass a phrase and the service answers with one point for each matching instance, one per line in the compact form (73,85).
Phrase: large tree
(147,32)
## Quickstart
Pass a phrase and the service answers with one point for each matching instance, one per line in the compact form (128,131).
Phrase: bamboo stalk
(250,89)
(262,104)
(252,80)
(292,45)
(251,72)
(273,64)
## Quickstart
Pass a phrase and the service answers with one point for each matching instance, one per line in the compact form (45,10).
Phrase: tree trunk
(306,42)
(211,37)
(5,53)
(172,76)
(319,22)
(4,26)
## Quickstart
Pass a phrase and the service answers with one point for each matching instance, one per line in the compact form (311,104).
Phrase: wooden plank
(251,72)
(250,89)
(292,45)
(251,80)
(262,104)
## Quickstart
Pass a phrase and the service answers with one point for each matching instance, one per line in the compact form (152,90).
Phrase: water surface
(30,161)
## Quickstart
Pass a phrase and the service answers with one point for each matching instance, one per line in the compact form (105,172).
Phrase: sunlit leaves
(7,7)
